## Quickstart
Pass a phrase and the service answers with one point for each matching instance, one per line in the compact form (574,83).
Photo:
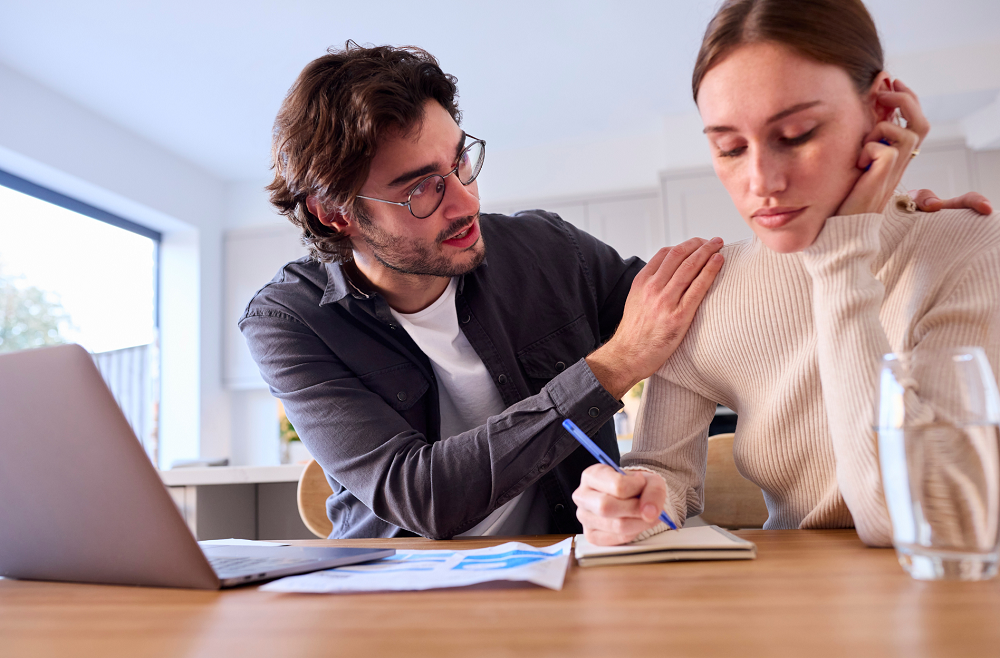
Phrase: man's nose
(459,200)
(767,174)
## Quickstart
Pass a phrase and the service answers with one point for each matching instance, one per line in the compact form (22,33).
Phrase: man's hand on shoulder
(927,201)
(660,307)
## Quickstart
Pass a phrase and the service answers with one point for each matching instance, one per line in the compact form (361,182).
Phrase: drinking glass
(939,451)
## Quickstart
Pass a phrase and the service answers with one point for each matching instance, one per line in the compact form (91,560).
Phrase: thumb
(927,201)
(653,497)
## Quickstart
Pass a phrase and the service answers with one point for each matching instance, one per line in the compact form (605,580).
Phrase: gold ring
(915,153)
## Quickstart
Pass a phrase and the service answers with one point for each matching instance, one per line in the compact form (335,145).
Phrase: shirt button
(558,508)
(502,379)
(594,412)
(560,366)
(401,396)
(466,318)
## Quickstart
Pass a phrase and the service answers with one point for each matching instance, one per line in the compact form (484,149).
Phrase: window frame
(41,193)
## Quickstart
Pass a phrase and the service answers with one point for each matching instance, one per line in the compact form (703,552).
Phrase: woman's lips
(776,217)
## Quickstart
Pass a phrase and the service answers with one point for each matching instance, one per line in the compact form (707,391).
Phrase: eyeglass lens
(426,197)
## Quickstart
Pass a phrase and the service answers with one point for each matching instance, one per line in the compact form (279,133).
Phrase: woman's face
(785,132)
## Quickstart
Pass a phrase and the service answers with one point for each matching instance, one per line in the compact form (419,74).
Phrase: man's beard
(403,255)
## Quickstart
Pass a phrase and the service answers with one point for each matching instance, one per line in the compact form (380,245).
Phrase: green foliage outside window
(28,317)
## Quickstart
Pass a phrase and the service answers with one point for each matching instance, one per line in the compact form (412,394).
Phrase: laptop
(81,502)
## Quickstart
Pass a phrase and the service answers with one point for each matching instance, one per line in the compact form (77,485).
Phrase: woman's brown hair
(838,32)
(328,128)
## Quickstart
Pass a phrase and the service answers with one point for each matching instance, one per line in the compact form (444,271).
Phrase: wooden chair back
(731,501)
(312,494)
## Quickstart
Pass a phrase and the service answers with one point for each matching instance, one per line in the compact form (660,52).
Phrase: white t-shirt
(467,397)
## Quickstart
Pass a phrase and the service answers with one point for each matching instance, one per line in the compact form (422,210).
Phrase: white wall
(212,410)
(54,142)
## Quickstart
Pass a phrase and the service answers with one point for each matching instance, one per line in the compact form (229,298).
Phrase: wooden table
(809,593)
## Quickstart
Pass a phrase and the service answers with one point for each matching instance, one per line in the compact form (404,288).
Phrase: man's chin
(476,255)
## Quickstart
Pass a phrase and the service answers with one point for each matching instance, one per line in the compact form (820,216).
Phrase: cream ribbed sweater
(792,343)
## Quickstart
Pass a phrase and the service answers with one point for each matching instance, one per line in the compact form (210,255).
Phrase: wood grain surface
(809,593)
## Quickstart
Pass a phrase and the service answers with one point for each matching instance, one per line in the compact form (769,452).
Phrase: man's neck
(405,293)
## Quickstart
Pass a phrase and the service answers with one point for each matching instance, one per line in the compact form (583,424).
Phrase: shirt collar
(339,285)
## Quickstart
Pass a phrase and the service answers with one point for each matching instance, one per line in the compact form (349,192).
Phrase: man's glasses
(425,198)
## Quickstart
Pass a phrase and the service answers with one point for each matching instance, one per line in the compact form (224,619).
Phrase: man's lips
(777,216)
(464,237)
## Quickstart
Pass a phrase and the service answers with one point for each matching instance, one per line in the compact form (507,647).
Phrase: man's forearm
(607,366)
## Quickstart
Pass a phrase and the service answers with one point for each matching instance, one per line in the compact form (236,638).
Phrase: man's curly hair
(326,132)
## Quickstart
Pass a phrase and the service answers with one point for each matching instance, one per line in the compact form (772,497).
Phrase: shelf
(180,477)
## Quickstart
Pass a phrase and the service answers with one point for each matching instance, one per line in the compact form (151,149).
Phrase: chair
(311,497)
(731,501)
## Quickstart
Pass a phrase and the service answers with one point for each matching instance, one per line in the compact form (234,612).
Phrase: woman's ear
(332,217)
(883,83)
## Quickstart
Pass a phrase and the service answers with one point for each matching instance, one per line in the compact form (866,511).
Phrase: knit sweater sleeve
(670,439)
(851,341)
(847,298)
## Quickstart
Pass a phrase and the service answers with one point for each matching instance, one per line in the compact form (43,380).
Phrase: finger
(699,288)
(909,108)
(690,269)
(898,85)
(601,505)
(623,529)
(606,480)
(898,137)
(676,255)
(653,264)
(602,537)
(653,498)
(971,201)
(876,155)
(926,200)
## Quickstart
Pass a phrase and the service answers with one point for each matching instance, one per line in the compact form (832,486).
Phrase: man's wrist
(607,367)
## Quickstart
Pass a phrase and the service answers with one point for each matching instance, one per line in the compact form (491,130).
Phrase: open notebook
(696,543)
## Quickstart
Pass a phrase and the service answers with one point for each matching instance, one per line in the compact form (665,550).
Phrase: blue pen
(602,457)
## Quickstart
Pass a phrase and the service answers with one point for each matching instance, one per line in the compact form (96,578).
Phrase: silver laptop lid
(79,499)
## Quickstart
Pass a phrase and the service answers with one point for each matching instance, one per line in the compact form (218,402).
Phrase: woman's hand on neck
(887,149)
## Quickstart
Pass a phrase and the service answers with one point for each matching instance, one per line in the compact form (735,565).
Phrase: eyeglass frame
(443,177)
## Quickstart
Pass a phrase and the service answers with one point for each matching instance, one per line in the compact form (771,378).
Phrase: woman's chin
(785,242)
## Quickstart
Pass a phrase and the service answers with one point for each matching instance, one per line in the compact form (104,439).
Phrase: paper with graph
(420,570)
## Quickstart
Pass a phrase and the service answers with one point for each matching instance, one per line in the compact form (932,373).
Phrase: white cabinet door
(697,205)
(944,169)
(629,224)
(252,258)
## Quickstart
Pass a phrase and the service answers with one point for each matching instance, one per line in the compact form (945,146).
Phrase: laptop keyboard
(237,566)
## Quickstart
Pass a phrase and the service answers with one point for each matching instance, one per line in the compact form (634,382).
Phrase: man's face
(445,244)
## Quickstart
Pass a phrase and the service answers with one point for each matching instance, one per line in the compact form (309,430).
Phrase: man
(428,354)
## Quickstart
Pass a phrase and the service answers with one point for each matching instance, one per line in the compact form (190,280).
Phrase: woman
(799,114)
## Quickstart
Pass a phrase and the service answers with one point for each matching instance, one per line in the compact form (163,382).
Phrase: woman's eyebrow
(792,110)
(777,117)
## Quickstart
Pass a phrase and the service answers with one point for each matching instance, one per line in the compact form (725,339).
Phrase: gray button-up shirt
(364,399)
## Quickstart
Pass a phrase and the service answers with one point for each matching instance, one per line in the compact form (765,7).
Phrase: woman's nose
(767,175)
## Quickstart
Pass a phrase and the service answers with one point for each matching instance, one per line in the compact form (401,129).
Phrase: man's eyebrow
(426,170)
(416,173)
(777,117)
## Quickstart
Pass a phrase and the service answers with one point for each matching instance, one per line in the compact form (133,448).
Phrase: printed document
(420,570)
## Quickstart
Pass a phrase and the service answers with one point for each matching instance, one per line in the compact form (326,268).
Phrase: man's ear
(332,217)
(883,83)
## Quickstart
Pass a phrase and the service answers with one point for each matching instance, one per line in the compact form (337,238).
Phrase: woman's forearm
(847,298)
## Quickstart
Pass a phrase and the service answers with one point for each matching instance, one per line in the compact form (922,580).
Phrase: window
(71,273)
